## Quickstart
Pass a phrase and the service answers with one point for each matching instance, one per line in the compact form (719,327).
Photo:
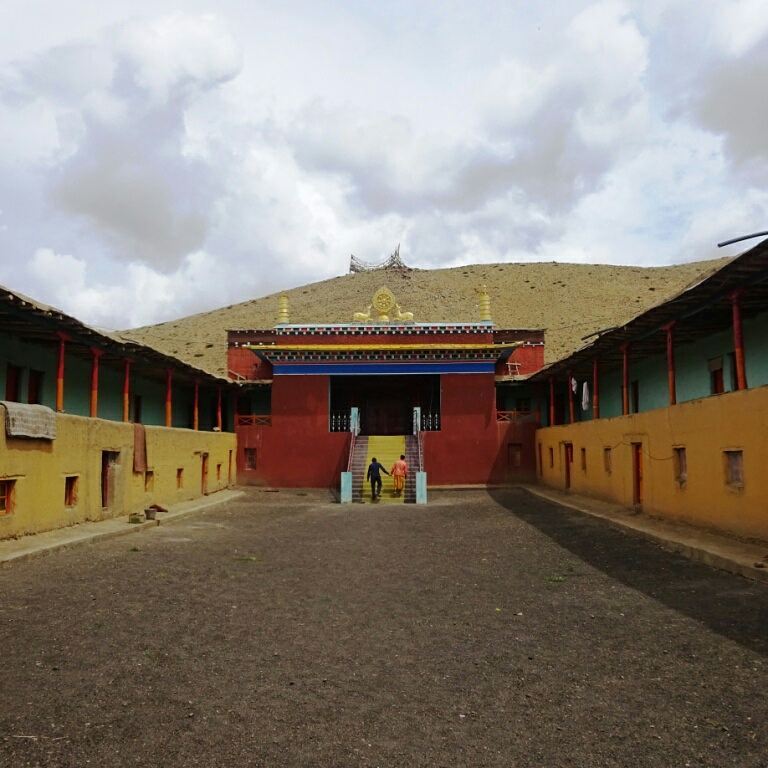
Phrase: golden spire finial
(485,304)
(282,313)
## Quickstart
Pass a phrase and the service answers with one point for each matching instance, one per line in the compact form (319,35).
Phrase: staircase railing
(352,440)
(420,446)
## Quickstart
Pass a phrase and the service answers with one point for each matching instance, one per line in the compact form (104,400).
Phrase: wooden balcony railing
(253,420)
(513,416)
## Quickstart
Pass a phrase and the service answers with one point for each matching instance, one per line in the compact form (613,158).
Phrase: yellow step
(387,449)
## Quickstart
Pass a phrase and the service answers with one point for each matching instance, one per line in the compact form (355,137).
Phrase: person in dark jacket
(374,475)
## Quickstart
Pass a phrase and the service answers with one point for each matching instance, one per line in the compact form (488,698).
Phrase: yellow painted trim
(375,347)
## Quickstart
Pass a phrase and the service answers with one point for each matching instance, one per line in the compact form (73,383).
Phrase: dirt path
(478,631)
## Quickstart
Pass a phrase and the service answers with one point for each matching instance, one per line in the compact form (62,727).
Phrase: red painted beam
(595,389)
(671,371)
(551,401)
(625,380)
(95,355)
(168,398)
(196,407)
(738,340)
(63,338)
(127,390)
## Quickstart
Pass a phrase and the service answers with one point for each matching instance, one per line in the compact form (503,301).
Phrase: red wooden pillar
(127,390)
(196,407)
(95,355)
(571,405)
(595,389)
(738,341)
(671,381)
(63,338)
(218,409)
(625,380)
(168,398)
(551,401)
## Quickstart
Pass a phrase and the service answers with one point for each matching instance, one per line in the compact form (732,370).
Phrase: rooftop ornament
(383,309)
(283,318)
(393,262)
(485,304)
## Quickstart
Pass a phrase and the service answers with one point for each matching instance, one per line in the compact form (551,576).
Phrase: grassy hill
(568,300)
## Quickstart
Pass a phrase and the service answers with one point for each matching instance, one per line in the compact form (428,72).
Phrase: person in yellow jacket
(399,472)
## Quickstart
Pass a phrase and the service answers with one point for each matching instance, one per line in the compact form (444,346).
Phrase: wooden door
(204,474)
(108,464)
(568,463)
(637,473)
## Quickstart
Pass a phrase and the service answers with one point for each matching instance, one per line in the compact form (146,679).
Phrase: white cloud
(172,162)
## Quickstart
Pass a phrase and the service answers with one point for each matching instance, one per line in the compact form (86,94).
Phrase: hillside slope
(568,300)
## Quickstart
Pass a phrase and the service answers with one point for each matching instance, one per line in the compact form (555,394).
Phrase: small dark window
(607,460)
(35,387)
(137,409)
(732,369)
(149,481)
(7,496)
(12,383)
(180,477)
(218,472)
(734,468)
(681,466)
(70,491)
(514,455)
(250,458)
(551,457)
(634,397)
(716,377)
(583,459)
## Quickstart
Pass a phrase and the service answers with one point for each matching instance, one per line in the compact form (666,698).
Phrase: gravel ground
(278,630)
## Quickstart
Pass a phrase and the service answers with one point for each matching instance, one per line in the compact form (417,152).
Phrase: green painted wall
(77,390)
(756,350)
(25,355)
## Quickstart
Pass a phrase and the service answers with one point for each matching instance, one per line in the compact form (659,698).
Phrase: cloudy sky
(156,161)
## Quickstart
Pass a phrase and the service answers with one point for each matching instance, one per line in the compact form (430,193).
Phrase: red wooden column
(551,401)
(625,380)
(595,389)
(738,341)
(571,405)
(127,390)
(218,409)
(168,398)
(63,339)
(196,407)
(95,355)
(671,382)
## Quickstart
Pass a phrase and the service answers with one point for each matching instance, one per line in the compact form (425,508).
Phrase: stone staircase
(387,449)
(359,467)
(412,457)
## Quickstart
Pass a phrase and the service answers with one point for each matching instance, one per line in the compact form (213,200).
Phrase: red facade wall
(244,363)
(472,447)
(530,358)
(297,450)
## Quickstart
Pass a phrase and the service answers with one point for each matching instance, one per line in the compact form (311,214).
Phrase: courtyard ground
(481,630)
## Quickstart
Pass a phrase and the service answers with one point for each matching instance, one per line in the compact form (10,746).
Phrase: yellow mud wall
(40,467)
(706,428)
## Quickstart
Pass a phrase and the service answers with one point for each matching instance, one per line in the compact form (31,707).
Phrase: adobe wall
(706,428)
(40,467)
(297,450)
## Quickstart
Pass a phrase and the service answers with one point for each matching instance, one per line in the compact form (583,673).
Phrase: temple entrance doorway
(386,403)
